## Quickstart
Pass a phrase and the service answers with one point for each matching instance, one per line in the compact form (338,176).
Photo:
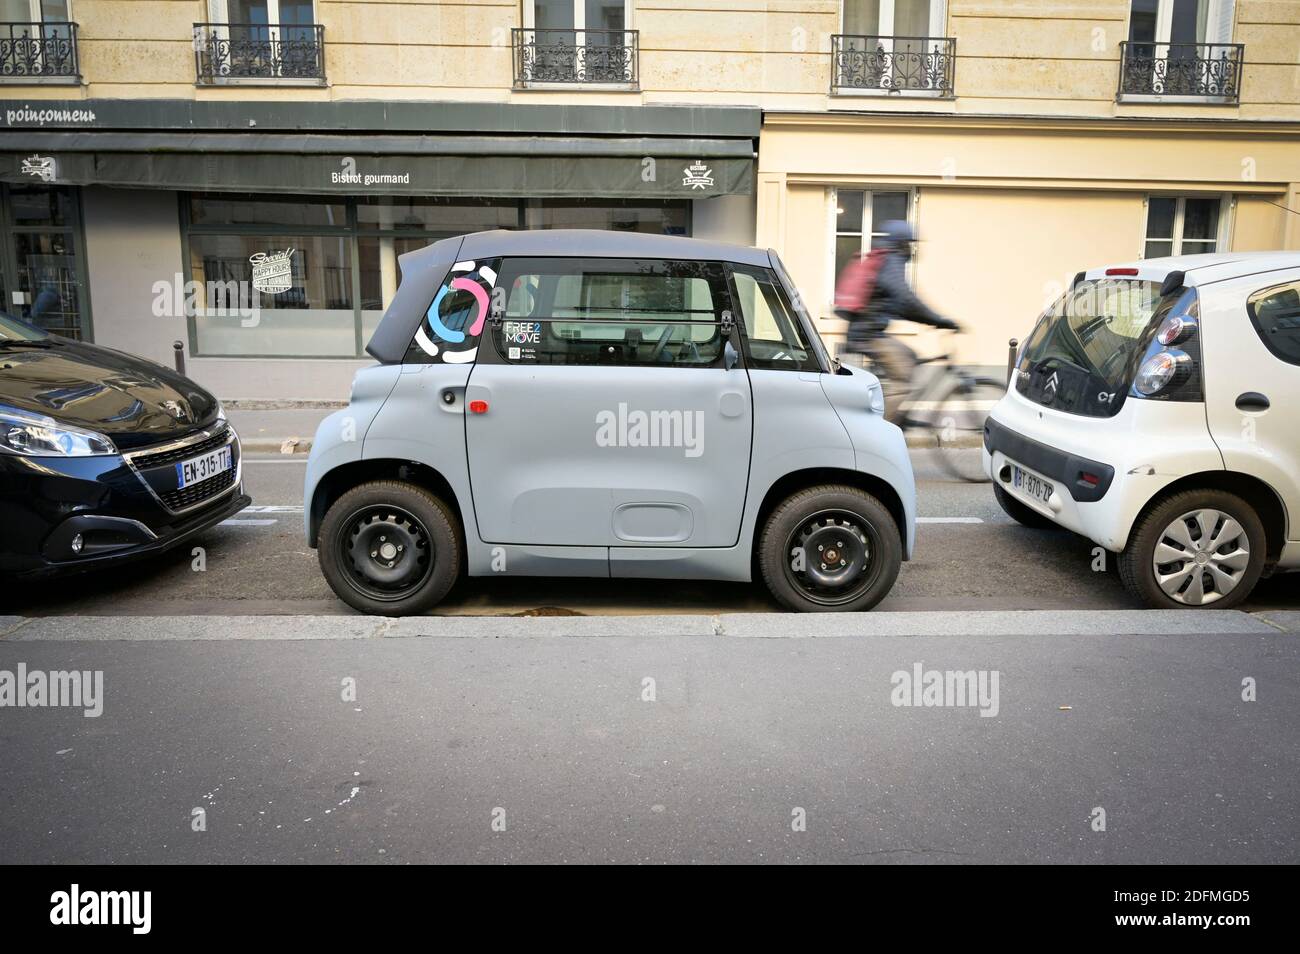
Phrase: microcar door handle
(1252,401)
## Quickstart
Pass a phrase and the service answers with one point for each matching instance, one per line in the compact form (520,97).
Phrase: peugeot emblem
(175,409)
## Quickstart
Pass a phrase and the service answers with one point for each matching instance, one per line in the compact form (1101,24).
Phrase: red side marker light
(478,407)
(1092,480)
(1121,271)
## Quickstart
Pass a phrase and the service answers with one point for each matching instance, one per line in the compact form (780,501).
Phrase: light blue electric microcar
(604,404)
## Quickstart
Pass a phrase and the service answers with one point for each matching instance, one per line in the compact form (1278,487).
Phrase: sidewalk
(265,429)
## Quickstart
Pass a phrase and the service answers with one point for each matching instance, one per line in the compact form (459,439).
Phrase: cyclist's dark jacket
(891,300)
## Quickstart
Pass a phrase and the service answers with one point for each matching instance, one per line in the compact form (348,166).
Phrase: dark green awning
(511,166)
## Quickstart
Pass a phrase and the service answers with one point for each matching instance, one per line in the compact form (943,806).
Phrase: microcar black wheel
(1199,548)
(830,549)
(390,548)
(1021,513)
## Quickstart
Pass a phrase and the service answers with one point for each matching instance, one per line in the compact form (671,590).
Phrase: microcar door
(607,408)
(1251,328)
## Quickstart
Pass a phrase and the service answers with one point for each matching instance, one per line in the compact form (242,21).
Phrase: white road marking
(273,508)
(233,522)
(949,519)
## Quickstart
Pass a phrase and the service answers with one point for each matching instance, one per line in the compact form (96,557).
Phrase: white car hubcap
(1201,557)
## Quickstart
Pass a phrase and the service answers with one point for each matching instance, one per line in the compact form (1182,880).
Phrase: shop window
(320,271)
(42,270)
(436,215)
(665,218)
(273,295)
(241,209)
(1183,225)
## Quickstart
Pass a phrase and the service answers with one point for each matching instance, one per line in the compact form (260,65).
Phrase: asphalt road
(552,737)
(972,558)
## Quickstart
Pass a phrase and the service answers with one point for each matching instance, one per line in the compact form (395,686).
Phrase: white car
(1155,410)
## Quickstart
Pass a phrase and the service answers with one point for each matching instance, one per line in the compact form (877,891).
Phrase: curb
(271,445)
(1080,624)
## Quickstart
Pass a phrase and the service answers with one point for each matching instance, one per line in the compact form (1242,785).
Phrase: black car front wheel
(830,549)
(390,548)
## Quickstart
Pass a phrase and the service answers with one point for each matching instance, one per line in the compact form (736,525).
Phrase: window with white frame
(609,15)
(859,215)
(1181,21)
(36,40)
(1185,225)
(893,18)
(250,39)
(894,46)
(34,11)
(1181,49)
(584,42)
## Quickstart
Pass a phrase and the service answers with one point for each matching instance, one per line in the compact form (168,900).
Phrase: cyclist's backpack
(857,283)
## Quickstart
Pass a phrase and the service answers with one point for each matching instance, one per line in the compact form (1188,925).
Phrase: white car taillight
(1161,371)
(1175,329)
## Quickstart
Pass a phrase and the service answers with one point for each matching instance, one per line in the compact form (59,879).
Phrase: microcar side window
(454,320)
(611,311)
(1275,313)
(773,337)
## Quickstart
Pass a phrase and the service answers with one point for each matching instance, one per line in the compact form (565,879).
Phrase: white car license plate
(198,469)
(1028,484)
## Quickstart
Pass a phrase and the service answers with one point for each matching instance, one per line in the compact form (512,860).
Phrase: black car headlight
(35,435)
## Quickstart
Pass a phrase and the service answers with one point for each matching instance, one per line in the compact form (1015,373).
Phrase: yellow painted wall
(993,259)
(1009,210)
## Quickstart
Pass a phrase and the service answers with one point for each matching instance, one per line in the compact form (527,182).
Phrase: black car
(104,457)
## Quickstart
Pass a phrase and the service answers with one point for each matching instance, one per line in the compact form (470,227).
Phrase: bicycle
(952,405)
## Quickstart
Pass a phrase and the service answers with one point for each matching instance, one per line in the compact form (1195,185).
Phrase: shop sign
(698,176)
(44,168)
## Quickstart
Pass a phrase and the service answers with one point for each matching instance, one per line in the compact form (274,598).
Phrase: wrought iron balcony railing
(893,64)
(259,51)
(1209,71)
(39,53)
(594,57)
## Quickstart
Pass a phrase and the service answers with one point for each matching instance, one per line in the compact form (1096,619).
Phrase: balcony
(280,54)
(38,53)
(563,58)
(1180,72)
(900,65)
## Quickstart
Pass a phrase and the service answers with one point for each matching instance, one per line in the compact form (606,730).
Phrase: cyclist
(883,296)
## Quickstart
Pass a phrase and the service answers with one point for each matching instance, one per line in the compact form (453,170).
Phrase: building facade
(242,175)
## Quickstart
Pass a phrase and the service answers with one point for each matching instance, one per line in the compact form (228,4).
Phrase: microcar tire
(1199,549)
(830,549)
(390,548)
(1021,513)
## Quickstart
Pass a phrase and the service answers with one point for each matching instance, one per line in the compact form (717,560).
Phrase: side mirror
(730,357)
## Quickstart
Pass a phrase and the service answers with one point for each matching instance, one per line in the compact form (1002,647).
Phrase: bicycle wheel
(958,425)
